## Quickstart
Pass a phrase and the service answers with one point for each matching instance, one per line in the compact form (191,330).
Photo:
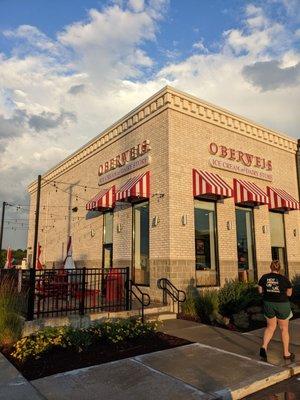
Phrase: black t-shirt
(274,287)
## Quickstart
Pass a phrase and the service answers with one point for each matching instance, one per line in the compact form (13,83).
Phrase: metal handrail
(140,299)
(168,288)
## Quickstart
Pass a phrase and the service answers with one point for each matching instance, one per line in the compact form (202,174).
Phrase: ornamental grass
(11,306)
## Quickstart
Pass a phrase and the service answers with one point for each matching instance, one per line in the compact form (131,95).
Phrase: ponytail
(275,266)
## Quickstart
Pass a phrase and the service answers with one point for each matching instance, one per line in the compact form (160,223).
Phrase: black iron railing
(168,288)
(142,297)
(59,292)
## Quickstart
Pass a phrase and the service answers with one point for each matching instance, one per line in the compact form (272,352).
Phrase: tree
(18,256)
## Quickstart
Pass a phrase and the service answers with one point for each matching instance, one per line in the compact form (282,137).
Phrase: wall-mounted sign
(240,162)
(130,160)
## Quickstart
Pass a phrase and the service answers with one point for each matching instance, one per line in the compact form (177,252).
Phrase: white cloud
(136,5)
(55,95)
(218,77)
(200,46)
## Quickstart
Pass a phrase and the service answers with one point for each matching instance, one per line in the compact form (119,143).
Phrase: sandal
(263,354)
(291,357)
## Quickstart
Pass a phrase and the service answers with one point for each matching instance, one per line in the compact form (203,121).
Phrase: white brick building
(179,220)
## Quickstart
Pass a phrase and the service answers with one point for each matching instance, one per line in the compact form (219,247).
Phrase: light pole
(31,294)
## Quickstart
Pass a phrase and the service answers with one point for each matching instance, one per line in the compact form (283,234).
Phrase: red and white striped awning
(105,199)
(279,199)
(136,187)
(248,193)
(208,184)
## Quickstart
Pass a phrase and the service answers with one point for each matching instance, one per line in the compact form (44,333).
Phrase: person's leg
(269,331)
(285,337)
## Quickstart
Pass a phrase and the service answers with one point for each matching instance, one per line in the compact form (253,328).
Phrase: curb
(261,384)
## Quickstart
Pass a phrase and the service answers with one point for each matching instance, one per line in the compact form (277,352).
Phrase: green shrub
(235,296)
(110,332)
(208,305)
(189,307)
(11,307)
(296,289)
(203,305)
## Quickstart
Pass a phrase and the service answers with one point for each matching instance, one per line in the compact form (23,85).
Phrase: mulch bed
(62,360)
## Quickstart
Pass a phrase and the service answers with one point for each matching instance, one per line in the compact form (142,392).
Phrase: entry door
(278,253)
(107,255)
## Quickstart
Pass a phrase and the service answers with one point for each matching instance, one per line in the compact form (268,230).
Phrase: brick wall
(179,142)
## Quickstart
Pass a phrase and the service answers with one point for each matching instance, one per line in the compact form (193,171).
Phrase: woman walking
(276,290)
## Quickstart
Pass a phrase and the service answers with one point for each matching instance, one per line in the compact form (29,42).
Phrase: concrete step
(161,316)
(157,309)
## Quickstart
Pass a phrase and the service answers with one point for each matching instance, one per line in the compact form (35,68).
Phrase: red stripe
(280,199)
(248,192)
(207,183)
(104,199)
(138,186)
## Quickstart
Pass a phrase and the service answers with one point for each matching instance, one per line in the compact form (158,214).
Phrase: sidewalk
(13,386)
(246,344)
(219,365)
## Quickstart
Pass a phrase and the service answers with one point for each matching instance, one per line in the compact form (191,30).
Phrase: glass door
(107,256)
(141,273)
(207,273)
(278,242)
(278,253)
(107,253)
(245,244)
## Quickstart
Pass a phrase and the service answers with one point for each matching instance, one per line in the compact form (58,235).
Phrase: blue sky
(185,23)
(70,68)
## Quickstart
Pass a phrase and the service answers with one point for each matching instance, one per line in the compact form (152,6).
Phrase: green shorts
(278,310)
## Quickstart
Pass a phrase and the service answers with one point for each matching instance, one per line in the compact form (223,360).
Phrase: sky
(70,68)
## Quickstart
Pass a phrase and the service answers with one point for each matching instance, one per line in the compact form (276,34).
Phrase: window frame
(285,253)
(133,241)
(253,238)
(103,228)
(216,240)
(111,244)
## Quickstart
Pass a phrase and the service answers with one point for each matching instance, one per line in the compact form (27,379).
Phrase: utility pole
(2,226)
(31,293)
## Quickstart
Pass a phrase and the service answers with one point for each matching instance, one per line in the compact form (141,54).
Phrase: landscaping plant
(11,307)
(203,305)
(236,304)
(110,332)
(208,305)
(236,296)
(190,307)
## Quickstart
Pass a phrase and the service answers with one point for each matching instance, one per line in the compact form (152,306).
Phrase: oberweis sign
(130,160)
(240,162)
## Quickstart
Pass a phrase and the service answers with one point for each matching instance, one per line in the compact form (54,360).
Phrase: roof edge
(170,97)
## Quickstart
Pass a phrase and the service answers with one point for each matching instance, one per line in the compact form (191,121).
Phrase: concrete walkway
(219,365)
(13,386)
(246,344)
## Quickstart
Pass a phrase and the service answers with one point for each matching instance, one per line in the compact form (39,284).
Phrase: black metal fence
(59,292)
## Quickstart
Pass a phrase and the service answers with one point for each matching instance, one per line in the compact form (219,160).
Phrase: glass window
(141,243)
(245,244)
(278,246)
(108,227)
(277,230)
(205,243)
